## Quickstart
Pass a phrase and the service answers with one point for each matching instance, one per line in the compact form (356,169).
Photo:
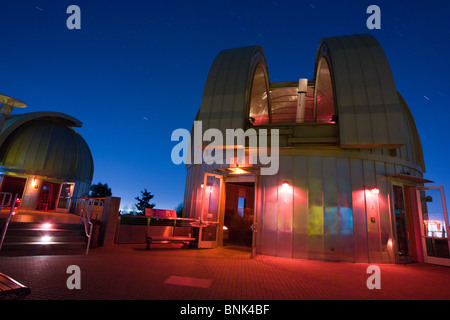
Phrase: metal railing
(86,208)
(6,201)
(96,206)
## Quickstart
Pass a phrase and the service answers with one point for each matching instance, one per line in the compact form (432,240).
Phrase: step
(41,232)
(42,239)
(39,225)
(26,238)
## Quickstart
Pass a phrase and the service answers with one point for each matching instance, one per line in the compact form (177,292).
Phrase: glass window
(241,207)
(259,106)
(324,94)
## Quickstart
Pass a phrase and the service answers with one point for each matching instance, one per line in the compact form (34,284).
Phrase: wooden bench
(169,239)
(169,234)
(11,289)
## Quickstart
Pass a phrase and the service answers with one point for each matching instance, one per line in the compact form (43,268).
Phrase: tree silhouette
(179,210)
(100,190)
(144,202)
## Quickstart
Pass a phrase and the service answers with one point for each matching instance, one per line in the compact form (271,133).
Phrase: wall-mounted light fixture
(238,171)
(373,191)
(34,183)
(285,187)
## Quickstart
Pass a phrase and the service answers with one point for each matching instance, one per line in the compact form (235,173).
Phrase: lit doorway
(65,196)
(421,224)
(48,196)
(239,215)
(14,185)
(406,227)
(434,221)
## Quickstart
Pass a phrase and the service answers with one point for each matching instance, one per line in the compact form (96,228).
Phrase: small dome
(47,147)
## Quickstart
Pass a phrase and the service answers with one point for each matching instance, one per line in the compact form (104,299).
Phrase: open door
(211,211)
(433,219)
(256,218)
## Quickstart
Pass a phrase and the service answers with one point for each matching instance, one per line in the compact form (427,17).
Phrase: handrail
(87,208)
(2,204)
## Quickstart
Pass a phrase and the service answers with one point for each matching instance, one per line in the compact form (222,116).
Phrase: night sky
(135,71)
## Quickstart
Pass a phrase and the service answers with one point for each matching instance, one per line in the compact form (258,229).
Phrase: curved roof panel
(367,104)
(227,90)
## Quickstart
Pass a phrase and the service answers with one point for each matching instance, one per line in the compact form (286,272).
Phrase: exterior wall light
(238,171)
(285,187)
(34,183)
(375,190)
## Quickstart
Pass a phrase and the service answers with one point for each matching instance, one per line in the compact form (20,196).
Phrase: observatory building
(350,182)
(44,160)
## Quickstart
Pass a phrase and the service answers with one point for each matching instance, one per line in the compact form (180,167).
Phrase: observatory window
(324,109)
(241,207)
(259,105)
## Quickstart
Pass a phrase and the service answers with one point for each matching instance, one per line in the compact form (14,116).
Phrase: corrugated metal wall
(328,214)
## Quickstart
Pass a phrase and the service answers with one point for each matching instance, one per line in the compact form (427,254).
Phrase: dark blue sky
(136,70)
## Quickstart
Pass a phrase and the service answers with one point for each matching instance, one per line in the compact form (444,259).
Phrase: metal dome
(45,144)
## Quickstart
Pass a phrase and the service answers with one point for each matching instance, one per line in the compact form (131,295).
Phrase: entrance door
(14,185)
(211,210)
(48,196)
(433,218)
(239,214)
(64,196)
(401,225)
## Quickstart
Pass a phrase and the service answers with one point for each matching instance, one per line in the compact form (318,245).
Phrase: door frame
(430,259)
(219,221)
(244,178)
(69,201)
(394,224)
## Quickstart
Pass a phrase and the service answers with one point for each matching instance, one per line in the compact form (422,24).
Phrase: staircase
(33,238)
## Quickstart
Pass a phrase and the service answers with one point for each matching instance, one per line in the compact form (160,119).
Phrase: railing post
(9,216)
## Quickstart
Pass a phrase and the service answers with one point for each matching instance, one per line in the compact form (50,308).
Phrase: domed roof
(369,111)
(45,144)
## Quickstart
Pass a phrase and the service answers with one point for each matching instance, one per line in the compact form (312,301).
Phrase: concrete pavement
(168,272)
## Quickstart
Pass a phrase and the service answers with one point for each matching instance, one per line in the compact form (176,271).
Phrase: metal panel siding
(300,214)
(259,209)
(285,208)
(373,231)
(84,164)
(384,213)
(56,152)
(346,249)
(359,211)
(24,149)
(330,210)
(189,193)
(270,213)
(315,209)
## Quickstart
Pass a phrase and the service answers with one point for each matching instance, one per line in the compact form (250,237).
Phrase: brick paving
(129,272)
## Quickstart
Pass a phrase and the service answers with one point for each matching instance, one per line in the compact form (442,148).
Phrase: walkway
(169,272)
